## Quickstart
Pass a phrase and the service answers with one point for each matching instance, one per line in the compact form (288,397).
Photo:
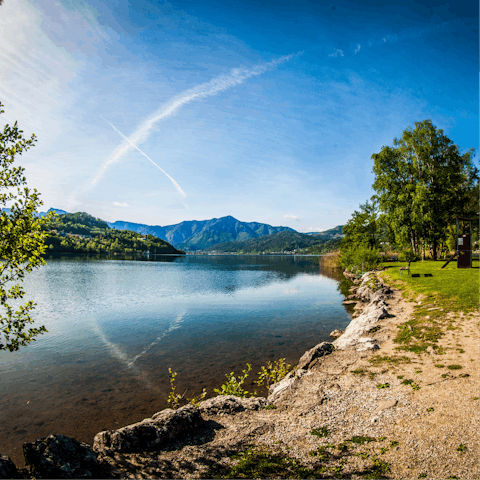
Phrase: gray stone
(151,433)
(277,390)
(58,456)
(317,351)
(7,467)
(231,404)
(336,333)
(384,404)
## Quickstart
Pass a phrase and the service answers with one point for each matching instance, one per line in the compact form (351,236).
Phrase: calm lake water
(117,325)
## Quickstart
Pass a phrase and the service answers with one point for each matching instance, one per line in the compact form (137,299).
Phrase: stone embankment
(337,414)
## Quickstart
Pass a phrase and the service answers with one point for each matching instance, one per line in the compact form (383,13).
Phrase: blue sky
(158,112)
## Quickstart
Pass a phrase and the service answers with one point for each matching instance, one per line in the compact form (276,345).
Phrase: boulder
(151,433)
(381,295)
(364,292)
(278,389)
(360,326)
(59,456)
(7,467)
(231,404)
(317,351)
(336,333)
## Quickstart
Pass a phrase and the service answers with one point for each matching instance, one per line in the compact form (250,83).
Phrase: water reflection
(116,325)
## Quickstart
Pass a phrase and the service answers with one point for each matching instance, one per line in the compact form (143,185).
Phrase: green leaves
(21,240)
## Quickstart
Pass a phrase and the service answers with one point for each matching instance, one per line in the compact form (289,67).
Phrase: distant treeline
(82,233)
(280,242)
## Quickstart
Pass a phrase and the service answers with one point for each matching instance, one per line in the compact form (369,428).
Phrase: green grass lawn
(456,288)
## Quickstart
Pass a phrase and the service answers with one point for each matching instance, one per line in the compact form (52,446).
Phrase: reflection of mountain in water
(224,274)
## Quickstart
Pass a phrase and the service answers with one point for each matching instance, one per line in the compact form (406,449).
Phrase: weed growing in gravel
(475,398)
(360,439)
(454,367)
(383,385)
(400,377)
(407,381)
(439,365)
(358,371)
(379,469)
(393,443)
(270,407)
(461,448)
(422,475)
(320,432)
(396,359)
(430,409)
(383,450)
(416,386)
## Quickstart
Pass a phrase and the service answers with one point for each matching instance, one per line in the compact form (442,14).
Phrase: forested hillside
(82,233)
(279,243)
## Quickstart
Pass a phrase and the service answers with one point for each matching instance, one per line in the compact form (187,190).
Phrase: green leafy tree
(422,183)
(22,241)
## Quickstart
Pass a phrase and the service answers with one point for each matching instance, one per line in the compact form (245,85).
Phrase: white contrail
(175,184)
(217,85)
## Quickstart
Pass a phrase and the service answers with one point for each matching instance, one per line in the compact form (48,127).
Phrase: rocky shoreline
(328,392)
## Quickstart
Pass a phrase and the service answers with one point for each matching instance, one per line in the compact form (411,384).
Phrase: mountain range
(282,241)
(198,235)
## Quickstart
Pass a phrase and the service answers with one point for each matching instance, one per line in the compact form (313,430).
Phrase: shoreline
(417,432)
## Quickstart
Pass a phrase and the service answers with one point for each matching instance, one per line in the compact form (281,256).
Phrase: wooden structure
(463,251)
(464,243)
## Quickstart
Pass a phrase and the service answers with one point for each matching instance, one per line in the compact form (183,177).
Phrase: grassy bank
(456,289)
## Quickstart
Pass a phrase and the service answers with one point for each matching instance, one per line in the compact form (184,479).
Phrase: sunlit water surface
(117,325)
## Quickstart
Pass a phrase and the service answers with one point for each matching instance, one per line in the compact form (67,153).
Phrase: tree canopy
(421,184)
(22,240)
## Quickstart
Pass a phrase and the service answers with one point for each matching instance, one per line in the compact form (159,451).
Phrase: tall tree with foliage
(422,183)
(22,241)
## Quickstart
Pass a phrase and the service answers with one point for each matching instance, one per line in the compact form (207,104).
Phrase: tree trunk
(434,248)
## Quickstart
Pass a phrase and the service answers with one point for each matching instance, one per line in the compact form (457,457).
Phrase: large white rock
(278,389)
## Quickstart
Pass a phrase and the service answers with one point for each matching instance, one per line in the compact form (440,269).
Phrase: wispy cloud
(336,53)
(130,143)
(357,48)
(119,204)
(217,85)
(291,217)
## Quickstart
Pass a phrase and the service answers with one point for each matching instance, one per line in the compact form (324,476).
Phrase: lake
(117,325)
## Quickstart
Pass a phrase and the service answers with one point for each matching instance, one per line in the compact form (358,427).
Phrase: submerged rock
(59,456)
(151,433)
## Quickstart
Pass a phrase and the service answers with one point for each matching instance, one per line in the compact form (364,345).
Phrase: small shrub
(234,384)
(454,367)
(439,365)
(173,398)
(273,372)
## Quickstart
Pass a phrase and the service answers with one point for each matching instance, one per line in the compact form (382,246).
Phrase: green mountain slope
(279,242)
(83,233)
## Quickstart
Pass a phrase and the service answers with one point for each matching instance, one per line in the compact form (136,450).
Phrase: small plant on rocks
(273,372)
(234,384)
